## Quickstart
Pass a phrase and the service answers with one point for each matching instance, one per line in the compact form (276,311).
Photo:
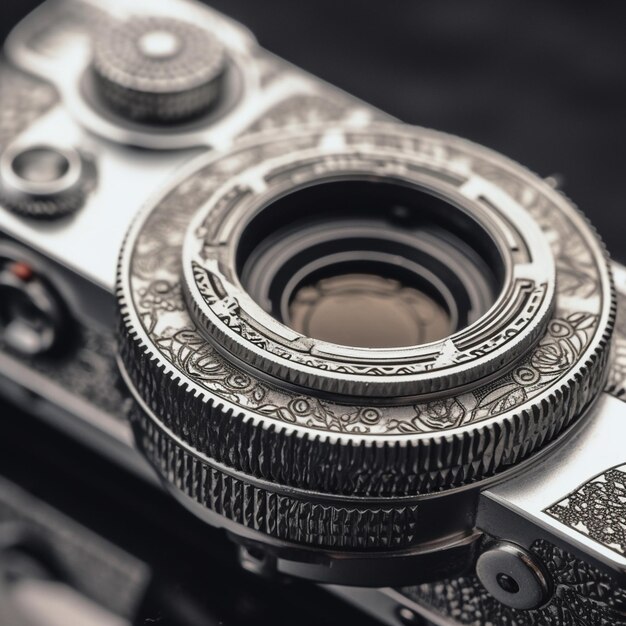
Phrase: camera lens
(336,336)
(369,264)
(280,261)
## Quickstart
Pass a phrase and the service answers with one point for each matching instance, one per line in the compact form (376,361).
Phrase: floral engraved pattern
(191,354)
(161,295)
(439,414)
(156,269)
(317,414)
(563,344)
(597,509)
(189,351)
(566,340)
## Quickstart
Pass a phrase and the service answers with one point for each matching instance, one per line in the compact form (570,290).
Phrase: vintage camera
(380,357)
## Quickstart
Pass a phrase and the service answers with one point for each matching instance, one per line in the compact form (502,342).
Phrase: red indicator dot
(21,270)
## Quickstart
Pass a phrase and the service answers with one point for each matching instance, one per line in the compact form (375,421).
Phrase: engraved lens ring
(308,471)
(239,327)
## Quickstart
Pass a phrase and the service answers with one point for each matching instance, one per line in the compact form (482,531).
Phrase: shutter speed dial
(158,70)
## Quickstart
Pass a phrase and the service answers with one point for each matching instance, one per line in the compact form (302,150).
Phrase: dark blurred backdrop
(543,82)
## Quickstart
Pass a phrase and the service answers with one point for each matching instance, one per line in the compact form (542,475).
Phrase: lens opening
(366,310)
(409,266)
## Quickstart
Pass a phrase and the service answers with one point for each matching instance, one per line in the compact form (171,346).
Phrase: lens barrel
(334,455)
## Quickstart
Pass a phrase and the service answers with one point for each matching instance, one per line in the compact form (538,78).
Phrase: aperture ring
(281,516)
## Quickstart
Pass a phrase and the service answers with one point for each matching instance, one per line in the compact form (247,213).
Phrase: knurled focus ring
(299,440)
(45,181)
(288,517)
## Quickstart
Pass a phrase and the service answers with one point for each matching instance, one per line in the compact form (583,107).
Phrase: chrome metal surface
(54,43)
(573,495)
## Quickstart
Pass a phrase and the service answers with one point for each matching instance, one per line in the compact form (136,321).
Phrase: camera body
(79,255)
(537,536)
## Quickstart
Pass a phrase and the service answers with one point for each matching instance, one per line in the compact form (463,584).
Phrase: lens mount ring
(302,441)
(240,328)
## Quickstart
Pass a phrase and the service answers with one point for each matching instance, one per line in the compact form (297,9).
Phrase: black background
(542,82)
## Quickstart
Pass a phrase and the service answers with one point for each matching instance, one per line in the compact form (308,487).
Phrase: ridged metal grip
(290,517)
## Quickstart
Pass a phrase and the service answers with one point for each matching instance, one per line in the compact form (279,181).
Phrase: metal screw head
(409,617)
(513,576)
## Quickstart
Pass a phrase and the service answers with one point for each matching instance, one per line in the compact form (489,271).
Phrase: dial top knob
(233,438)
(158,69)
(160,44)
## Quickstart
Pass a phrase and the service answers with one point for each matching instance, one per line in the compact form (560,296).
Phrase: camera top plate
(49,98)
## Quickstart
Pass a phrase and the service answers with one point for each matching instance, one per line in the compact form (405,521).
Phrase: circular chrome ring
(50,196)
(211,406)
(240,328)
(17,186)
